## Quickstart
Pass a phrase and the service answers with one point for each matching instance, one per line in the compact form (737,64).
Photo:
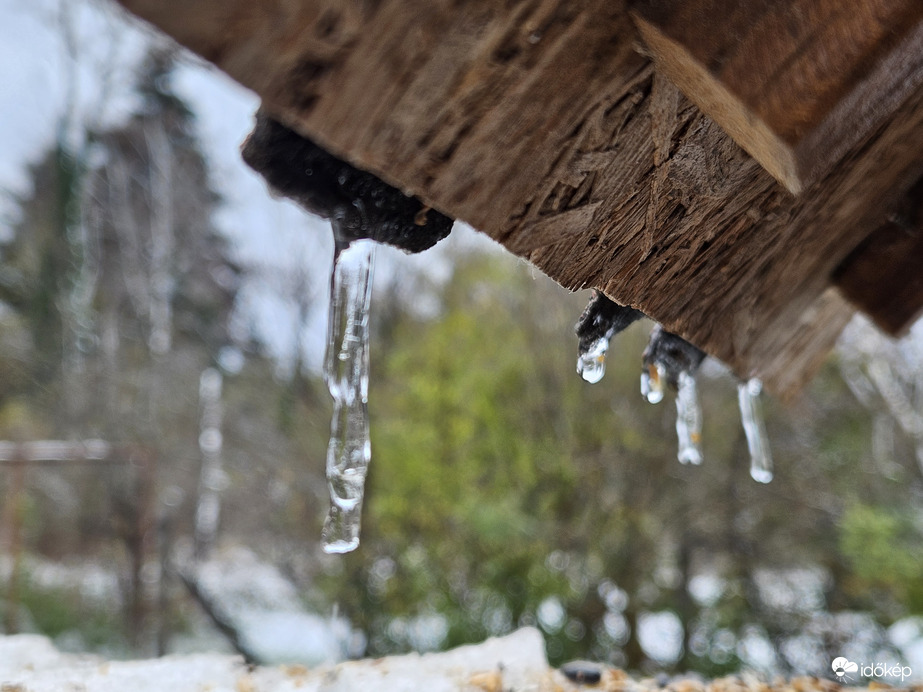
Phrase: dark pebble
(584,672)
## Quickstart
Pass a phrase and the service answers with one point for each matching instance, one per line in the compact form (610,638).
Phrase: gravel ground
(515,663)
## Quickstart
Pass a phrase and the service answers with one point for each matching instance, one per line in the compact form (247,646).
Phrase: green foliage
(882,546)
(484,466)
(55,611)
(449,463)
(503,488)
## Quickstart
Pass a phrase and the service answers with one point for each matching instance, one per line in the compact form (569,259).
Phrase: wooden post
(13,511)
(141,540)
(138,531)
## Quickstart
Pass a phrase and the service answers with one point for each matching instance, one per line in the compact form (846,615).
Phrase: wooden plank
(794,82)
(883,277)
(539,123)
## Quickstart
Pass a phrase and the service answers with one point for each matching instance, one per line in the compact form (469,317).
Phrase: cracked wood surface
(543,124)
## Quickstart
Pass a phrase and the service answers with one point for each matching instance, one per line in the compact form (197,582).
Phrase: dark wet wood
(544,124)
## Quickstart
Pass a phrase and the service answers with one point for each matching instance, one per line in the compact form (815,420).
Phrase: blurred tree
(505,491)
(121,289)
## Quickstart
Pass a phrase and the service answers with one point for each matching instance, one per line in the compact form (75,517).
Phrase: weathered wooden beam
(883,277)
(795,82)
(541,124)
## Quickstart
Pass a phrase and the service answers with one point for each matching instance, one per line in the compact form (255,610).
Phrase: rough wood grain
(795,82)
(538,122)
(884,275)
(716,250)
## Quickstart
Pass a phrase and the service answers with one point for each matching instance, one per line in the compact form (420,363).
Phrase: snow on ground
(907,636)
(516,663)
(265,609)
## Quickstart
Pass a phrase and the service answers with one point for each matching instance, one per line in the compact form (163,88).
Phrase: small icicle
(346,372)
(600,321)
(751,415)
(591,364)
(688,420)
(665,357)
(653,381)
(670,360)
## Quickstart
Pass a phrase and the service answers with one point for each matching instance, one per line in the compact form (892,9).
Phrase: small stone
(583,672)
(618,675)
(688,685)
(245,684)
(489,682)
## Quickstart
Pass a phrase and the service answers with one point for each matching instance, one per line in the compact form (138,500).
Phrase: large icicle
(751,415)
(688,420)
(361,208)
(346,372)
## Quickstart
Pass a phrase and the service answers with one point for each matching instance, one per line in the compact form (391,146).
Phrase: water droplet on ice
(591,365)
(688,420)
(751,415)
(339,546)
(652,383)
(599,322)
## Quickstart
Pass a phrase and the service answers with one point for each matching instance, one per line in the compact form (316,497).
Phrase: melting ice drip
(653,381)
(751,415)
(591,364)
(688,420)
(346,372)
(600,321)
(688,412)
(670,359)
